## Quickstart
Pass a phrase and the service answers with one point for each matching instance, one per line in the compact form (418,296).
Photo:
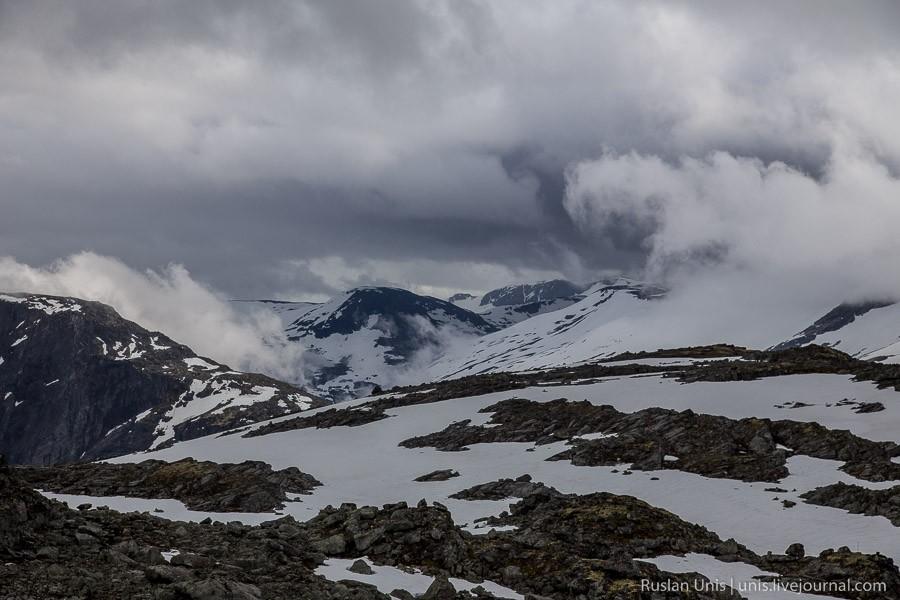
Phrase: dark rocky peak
(362,307)
(78,381)
(527,293)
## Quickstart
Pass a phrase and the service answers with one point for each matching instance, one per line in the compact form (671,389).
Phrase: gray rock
(361,567)
(439,475)
(440,589)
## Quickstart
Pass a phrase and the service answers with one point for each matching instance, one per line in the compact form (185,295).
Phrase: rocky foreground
(552,545)
(548,544)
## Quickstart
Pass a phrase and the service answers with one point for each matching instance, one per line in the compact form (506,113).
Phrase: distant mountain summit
(77,381)
(355,310)
(512,304)
(374,336)
(527,293)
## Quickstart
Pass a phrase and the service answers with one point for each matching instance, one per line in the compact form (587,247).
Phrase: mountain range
(546,458)
(378,337)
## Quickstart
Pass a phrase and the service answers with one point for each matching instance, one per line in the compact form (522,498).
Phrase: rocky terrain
(77,381)
(859,500)
(251,486)
(49,551)
(572,546)
(651,439)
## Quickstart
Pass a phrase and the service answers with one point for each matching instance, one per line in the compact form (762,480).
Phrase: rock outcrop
(251,486)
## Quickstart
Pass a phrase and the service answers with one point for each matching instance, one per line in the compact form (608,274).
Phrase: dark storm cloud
(282,148)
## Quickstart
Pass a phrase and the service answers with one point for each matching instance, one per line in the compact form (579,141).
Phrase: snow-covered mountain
(79,381)
(511,304)
(372,336)
(596,326)
(870,331)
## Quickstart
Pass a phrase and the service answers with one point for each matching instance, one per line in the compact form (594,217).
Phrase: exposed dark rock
(794,361)
(836,567)
(440,475)
(475,385)
(251,486)
(333,417)
(604,526)
(858,500)
(440,589)
(712,351)
(361,567)
(43,555)
(795,551)
(521,487)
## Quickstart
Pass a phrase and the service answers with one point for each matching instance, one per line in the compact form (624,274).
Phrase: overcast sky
(290,149)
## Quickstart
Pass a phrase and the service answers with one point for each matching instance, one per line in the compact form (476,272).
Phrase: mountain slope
(372,336)
(597,326)
(79,381)
(870,331)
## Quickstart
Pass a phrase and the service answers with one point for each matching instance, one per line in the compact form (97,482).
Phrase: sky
(295,149)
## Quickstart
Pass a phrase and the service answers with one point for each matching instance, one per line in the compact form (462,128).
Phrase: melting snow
(214,396)
(47,305)
(384,472)
(200,364)
(168,555)
(165,508)
(128,352)
(596,436)
(154,343)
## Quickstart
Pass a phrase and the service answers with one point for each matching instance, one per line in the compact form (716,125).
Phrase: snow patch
(199,363)
(388,579)
(47,305)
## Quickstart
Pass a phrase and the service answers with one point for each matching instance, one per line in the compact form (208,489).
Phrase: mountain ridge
(78,381)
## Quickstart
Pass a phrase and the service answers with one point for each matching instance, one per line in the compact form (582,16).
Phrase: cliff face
(77,381)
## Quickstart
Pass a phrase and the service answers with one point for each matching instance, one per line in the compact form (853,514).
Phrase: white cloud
(170,301)
(750,247)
